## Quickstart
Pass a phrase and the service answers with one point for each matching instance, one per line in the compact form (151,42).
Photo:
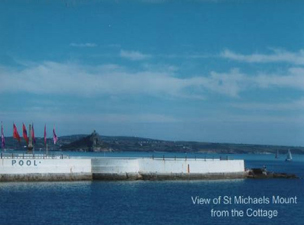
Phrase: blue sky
(215,71)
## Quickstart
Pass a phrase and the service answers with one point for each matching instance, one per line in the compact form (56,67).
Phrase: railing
(61,156)
(32,156)
(190,158)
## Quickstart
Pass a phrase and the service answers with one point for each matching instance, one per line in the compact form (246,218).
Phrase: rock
(262,173)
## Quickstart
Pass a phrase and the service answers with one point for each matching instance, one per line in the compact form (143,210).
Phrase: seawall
(166,169)
(60,168)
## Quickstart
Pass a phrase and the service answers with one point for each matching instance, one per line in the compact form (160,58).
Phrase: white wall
(115,165)
(167,166)
(119,166)
(190,166)
(26,166)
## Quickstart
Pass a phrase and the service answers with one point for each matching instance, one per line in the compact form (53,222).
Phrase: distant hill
(91,143)
(138,144)
(95,142)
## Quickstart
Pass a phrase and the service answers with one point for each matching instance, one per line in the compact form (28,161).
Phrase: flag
(55,138)
(33,134)
(2,137)
(15,133)
(25,133)
(45,135)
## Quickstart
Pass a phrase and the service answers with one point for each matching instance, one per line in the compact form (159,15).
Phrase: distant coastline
(83,143)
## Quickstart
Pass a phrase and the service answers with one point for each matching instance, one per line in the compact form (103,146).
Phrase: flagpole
(33,138)
(2,138)
(45,141)
(30,146)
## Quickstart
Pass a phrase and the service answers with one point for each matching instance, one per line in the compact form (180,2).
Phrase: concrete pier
(29,167)
(166,169)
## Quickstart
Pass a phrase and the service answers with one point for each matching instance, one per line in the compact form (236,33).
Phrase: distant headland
(99,143)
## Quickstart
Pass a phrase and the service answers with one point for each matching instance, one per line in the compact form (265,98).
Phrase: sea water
(160,202)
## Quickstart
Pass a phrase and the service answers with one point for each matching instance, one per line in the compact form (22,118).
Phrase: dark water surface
(152,202)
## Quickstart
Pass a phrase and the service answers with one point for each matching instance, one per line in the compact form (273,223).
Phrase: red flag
(55,138)
(15,133)
(25,134)
(45,135)
(33,134)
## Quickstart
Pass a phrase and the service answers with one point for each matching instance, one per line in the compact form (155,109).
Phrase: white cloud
(263,119)
(292,79)
(231,83)
(133,55)
(40,114)
(277,55)
(158,67)
(83,45)
(114,46)
(286,106)
(114,80)
(67,78)
(234,82)
(186,56)
(224,117)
